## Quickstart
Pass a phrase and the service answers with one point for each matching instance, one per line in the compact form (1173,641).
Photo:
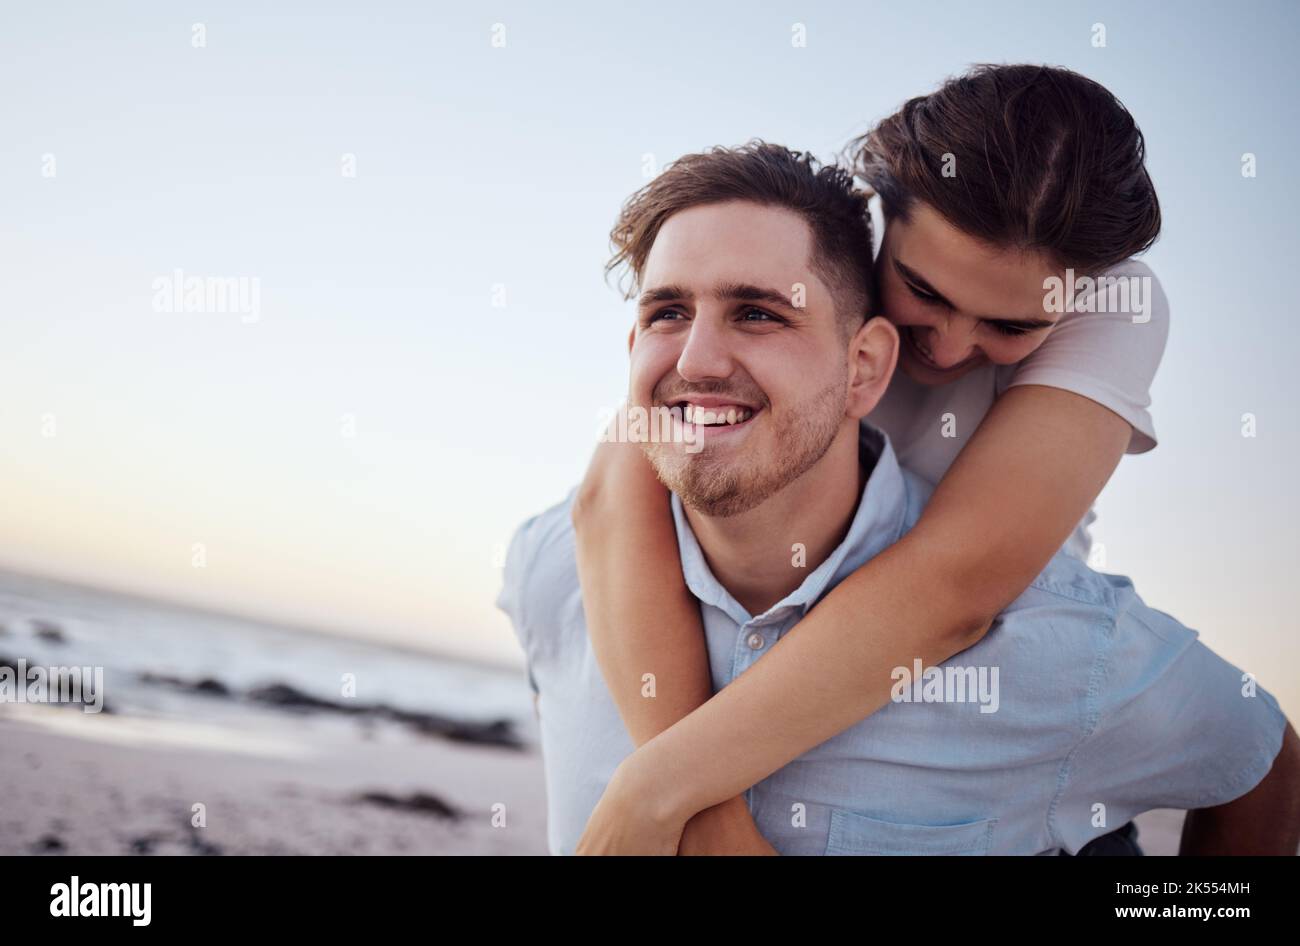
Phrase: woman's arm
(1008,502)
(628,565)
(640,617)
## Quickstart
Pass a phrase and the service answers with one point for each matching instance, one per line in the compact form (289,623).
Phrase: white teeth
(732,415)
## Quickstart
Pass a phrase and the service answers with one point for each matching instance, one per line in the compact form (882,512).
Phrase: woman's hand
(631,818)
(725,830)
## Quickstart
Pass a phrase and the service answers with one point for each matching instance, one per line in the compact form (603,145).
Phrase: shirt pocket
(853,833)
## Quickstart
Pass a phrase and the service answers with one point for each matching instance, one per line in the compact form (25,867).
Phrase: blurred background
(237,511)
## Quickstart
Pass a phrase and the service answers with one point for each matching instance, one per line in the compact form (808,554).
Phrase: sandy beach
(418,753)
(81,784)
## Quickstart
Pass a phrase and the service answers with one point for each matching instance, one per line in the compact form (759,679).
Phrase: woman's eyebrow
(913,276)
(918,280)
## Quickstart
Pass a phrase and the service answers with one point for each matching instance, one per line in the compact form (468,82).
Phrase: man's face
(721,335)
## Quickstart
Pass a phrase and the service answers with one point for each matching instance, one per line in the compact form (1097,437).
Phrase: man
(1080,709)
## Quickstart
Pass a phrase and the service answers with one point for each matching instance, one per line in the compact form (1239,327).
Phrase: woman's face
(959,303)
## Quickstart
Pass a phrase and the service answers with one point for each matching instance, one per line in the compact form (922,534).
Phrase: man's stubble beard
(722,489)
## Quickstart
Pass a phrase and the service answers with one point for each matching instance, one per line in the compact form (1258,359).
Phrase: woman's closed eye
(927,297)
(1009,328)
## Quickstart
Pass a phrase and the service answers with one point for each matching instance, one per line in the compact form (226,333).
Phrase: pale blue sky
(478,166)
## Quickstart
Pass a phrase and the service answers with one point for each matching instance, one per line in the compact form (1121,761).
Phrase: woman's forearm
(645,628)
(644,625)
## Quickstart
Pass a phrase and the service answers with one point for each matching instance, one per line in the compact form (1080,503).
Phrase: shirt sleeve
(511,598)
(1176,726)
(524,578)
(1108,348)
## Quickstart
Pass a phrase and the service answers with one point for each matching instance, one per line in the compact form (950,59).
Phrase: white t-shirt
(1105,355)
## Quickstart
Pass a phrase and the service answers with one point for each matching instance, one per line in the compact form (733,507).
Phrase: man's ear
(873,353)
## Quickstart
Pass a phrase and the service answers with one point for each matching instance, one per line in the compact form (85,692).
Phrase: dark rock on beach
(288,697)
(206,685)
(49,844)
(497,732)
(49,631)
(188,841)
(493,733)
(418,802)
(201,847)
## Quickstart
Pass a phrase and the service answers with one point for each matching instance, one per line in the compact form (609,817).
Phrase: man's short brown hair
(823,195)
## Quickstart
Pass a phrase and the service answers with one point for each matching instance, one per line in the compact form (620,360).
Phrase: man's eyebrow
(748,292)
(919,281)
(662,294)
(741,291)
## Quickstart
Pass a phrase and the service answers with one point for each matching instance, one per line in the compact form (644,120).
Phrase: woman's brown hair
(1033,157)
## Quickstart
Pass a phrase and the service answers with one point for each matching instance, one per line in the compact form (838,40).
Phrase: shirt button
(756,641)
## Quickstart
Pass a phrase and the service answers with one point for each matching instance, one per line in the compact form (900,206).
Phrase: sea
(49,622)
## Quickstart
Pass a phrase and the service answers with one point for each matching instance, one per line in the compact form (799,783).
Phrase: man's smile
(714,414)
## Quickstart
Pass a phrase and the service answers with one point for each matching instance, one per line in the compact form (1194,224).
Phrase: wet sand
(84,784)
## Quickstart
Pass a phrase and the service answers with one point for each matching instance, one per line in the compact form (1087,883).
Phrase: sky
(421,196)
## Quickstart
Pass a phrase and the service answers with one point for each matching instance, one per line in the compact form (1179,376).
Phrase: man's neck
(762,555)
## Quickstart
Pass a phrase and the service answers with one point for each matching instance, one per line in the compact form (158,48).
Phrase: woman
(1016,399)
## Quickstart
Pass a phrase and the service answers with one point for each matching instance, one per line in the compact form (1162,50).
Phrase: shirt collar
(876,525)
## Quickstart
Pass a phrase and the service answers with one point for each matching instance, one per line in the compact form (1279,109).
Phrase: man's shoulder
(1068,578)
(547,531)
(1071,609)
(1064,579)
(541,568)
(1069,585)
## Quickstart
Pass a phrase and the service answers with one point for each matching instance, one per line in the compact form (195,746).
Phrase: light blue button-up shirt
(1080,709)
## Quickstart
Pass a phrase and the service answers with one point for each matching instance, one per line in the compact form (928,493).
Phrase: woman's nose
(947,347)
